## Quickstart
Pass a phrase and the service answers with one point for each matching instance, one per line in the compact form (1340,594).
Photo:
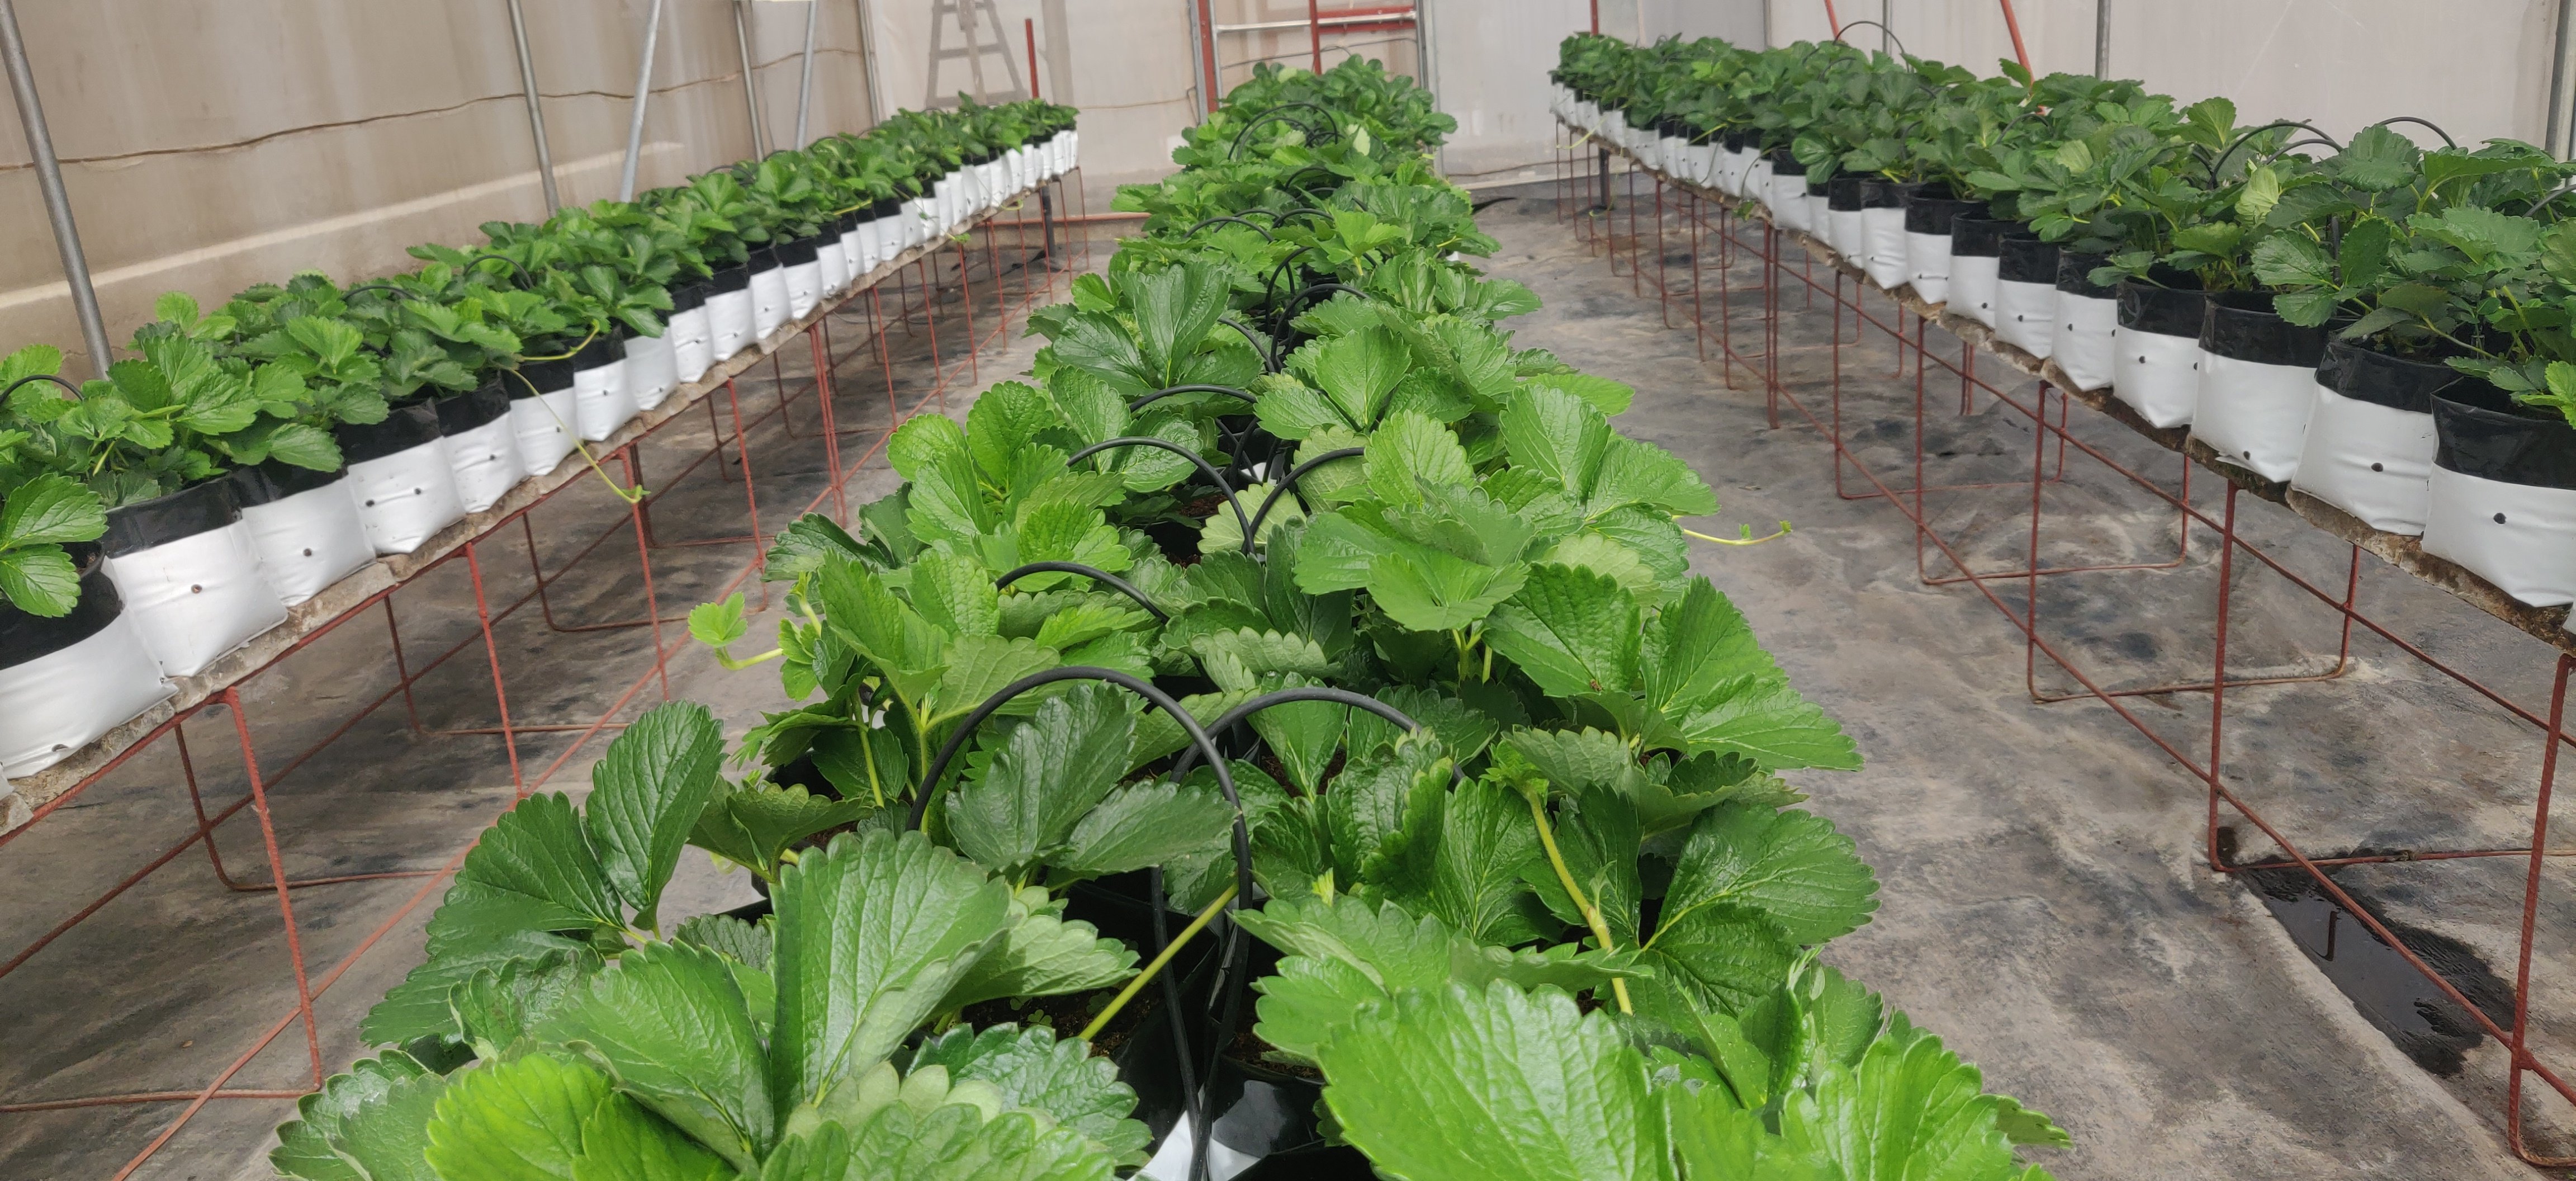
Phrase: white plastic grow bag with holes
(693,346)
(1975,280)
(1787,198)
(854,252)
(2521,537)
(487,463)
(543,426)
(1843,232)
(1927,266)
(308,540)
(2026,315)
(652,368)
(64,700)
(729,322)
(2255,416)
(1755,184)
(804,289)
(600,400)
(2369,460)
(769,310)
(1883,233)
(1671,152)
(835,266)
(2082,341)
(1703,164)
(1820,217)
(2157,374)
(196,598)
(407,497)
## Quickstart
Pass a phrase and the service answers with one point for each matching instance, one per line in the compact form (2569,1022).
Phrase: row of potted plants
(2386,328)
(250,456)
(1282,737)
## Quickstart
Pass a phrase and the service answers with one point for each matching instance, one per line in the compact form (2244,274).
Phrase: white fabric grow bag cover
(2082,342)
(2026,315)
(309,540)
(2521,537)
(2369,460)
(693,349)
(599,400)
(1974,282)
(1755,184)
(543,427)
(407,497)
(2255,416)
(1883,236)
(2157,374)
(652,368)
(768,302)
(804,289)
(196,598)
(62,701)
(729,322)
(1819,215)
(1843,232)
(1927,265)
(835,262)
(1787,198)
(487,463)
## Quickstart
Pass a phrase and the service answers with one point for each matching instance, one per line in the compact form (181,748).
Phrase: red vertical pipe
(1030,25)
(1207,50)
(1315,30)
(1836,23)
(1596,18)
(2012,25)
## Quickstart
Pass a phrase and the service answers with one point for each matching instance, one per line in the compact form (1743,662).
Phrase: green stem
(1565,877)
(1136,985)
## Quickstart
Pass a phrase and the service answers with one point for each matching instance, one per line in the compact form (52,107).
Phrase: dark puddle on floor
(2426,1025)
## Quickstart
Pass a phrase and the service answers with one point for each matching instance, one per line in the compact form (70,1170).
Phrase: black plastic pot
(2482,432)
(403,429)
(732,278)
(798,252)
(689,297)
(25,637)
(2024,260)
(2241,325)
(1842,192)
(1876,193)
(2075,275)
(459,413)
(273,481)
(1784,164)
(2382,379)
(2164,311)
(1818,188)
(1976,236)
(199,508)
(1931,210)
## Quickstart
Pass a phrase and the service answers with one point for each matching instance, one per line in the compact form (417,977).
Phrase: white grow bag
(600,401)
(693,346)
(2085,337)
(305,527)
(729,314)
(804,288)
(768,298)
(652,368)
(481,448)
(2026,296)
(2257,380)
(2370,438)
(65,682)
(1884,247)
(403,482)
(2155,351)
(189,575)
(2502,498)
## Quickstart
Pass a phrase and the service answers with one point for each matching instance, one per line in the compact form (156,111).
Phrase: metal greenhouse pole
(536,115)
(750,87)
(805,79)
(643,91)
(49,178)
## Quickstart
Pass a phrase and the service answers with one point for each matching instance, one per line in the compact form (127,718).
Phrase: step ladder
(947,13)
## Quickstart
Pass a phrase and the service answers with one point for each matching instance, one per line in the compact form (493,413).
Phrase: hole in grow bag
(2377,468)
(2499,518)
(2426,1025)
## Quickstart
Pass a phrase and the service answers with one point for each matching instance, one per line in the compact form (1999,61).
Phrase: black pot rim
(2161,311)
(2355,370)
(2026,260)
(26,638)
(411,425)
(270,482)
(202,507)
(2501,445)
(2241,326)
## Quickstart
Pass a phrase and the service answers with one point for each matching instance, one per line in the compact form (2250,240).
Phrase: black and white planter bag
(854,251)
(1882,223)
(188,572)
(1927,242)
(2026,295)
(802,268)
(2155,351)
(1842,224)
(693,346)
(834,260)
(2502,498)
(729,310)
(1820,213)
(2258,376)
(2370,438)
(1976,258)
(1787,194)
(304,525)
(1756,185)
(1701,161)
(481,447)
(65,682)
(2088,320)
(769,310)
(601,402)
(652,369)
(398,470)
(541,414)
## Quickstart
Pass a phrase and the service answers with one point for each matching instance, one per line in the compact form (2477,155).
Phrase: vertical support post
(1832,21)
(2101,38)
(643,91)
(1046,223)
(1596,18)
(2012,25)
(2521,1059)
(1207,51)
(805,75)
(276,872)
(2561,141)
(536,115)
(750,87)
(1315,30)
(868,58)
(58,206)
(1029,28)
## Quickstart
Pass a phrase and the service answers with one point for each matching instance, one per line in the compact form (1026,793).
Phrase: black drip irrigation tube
(1233,438)
(1205,468)
(1290,481)
(1094,573)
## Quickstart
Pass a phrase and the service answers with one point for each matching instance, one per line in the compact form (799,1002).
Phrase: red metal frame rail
(921,296)
(1742,233)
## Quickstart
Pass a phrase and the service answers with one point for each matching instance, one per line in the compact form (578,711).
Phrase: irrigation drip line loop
(1330,125)
(525,279)
(2543,203)
(1256,228)
(1236,716)
(1268,351)
(2447,141)
(71,392)
(1094,573)
(1233,438)
(1285,218)
(1205,468)
(1270,285)
(1297,303)
(1168,391)
(1848,26)
(345,296)
(2221,163)
(1290,481)
(1296,179)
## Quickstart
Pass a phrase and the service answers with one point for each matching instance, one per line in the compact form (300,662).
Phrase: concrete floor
(2044,902)
(2043,906)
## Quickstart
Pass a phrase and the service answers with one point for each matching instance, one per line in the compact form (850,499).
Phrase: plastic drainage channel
(376,584)
(2300,888)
